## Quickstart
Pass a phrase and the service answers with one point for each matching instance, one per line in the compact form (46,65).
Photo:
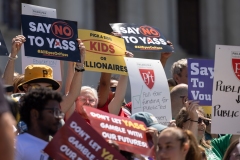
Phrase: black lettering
(117,67)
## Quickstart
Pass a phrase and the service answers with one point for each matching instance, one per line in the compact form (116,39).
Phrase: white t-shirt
(29,147)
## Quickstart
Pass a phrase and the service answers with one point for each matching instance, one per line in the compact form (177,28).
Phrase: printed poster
(149,88)
(104,52)
(3,47)
(28,9)
(143,38)
(200,82)
(129,134)
(226,90)
(50,38)
(77,140)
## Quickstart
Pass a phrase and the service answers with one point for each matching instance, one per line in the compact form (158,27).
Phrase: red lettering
(104,47)
(111,48)
(58,30)
(93,45)
(67,31)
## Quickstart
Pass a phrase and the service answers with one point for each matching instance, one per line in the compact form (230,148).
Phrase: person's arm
(76,83)
(165,55)
(116,103)
(9,69)
(104,89)
(191,107)
(70,74)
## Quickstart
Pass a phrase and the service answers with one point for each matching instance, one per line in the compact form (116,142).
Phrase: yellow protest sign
(208,111)
(104,53)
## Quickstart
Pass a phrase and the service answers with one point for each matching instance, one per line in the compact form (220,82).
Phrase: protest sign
(28,9)
(3,47)
(226,90)
(50,38)
(104,53)
(142,37)
(79,141)
(149,88)
(128,133)
(200,82)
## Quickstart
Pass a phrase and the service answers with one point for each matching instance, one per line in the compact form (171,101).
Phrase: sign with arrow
(226,90)
(238,100)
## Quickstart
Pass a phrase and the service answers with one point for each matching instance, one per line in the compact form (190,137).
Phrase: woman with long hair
(215,148)
(177,144)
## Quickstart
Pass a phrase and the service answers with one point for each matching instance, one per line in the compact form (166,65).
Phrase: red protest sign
(129,134)
(77,140)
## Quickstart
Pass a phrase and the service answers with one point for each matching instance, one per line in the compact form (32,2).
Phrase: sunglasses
(113,89)
(200,120)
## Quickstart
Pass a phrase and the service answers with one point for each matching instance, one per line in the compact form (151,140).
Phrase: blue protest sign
(142,37)
(3,47)
(50,38)
(200,80)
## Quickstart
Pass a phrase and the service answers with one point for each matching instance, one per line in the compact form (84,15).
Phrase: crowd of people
(33,110)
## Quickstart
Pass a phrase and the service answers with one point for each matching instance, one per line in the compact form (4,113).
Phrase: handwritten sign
(142,37)
(104,53)
(149,88)
(79,141)
(28,9)
(226,90)
(3,47)
(129,134)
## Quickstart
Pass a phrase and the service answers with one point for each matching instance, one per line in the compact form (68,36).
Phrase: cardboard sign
(149,88)
(104,53)
(79,141)
(142,37)
(50,38)
(28,9)
(129,134)
(226,90)
(200,82)
(3,47)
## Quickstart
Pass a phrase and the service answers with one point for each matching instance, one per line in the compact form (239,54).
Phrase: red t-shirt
(121,113)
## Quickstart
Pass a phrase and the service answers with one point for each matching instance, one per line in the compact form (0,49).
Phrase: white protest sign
(28,9)
(149,88)
(226,90)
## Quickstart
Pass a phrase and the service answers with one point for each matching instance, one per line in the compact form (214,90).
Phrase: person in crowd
(176,144)
(179,73)
(17,79)
(42,75)
(40,110)
(215,148)
(179,95)
(107,90)
(233,151)
(152,124)
(6,124)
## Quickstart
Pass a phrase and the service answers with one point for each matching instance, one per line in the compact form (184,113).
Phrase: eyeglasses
(83,99)
(113,89)
(56,112)
(36,86)
(200,120)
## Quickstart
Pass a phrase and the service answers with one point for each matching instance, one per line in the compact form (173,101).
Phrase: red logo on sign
(149,31)
(62,30)
(148,77)
(236,67)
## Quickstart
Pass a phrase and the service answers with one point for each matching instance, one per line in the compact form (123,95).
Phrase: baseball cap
(39,74)
(149,119)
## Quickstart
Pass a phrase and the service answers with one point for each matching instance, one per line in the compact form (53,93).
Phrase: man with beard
(40,110)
